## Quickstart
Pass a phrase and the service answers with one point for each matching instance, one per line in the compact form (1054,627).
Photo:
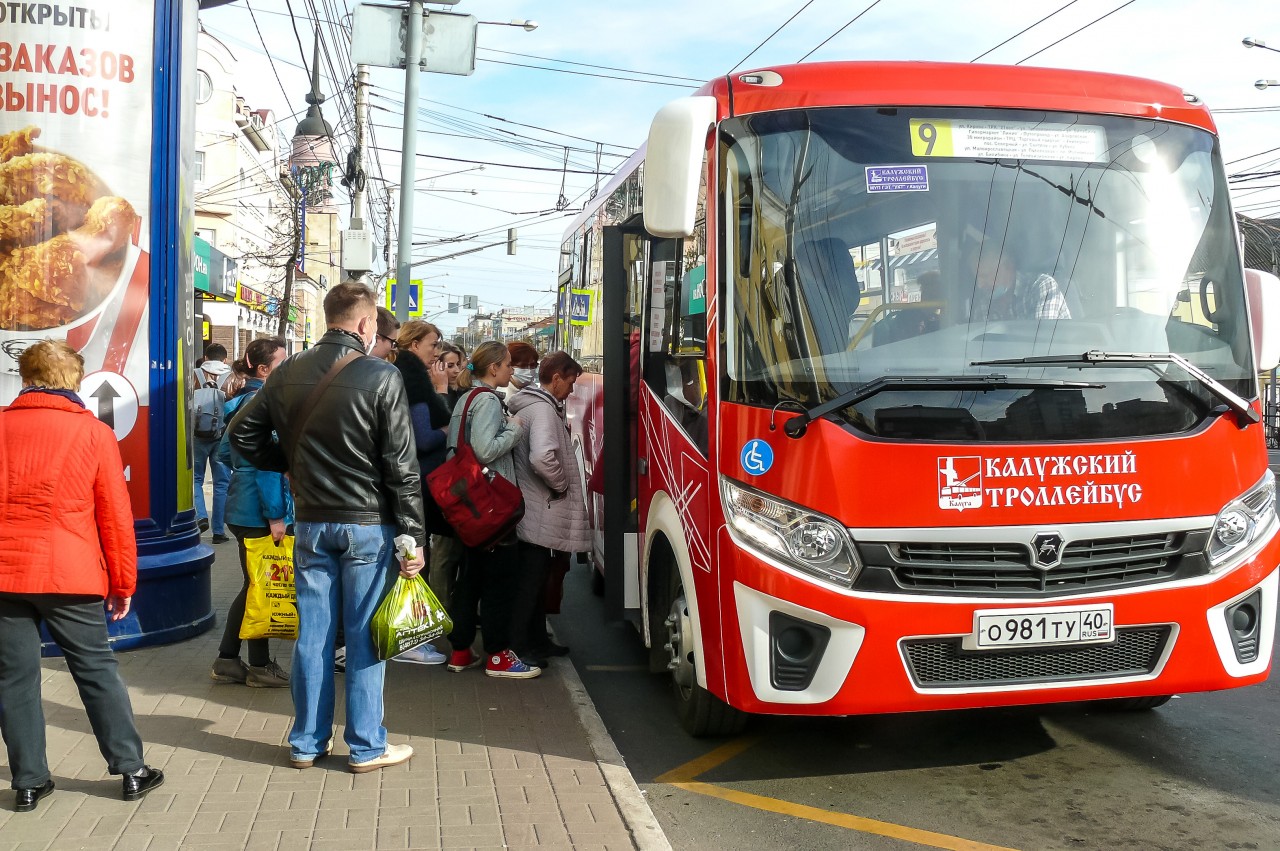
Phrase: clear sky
(1196,45)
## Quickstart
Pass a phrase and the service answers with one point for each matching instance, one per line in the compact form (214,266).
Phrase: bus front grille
(944,663)
(1006,569)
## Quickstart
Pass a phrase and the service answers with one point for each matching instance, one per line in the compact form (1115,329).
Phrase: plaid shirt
(1040,299)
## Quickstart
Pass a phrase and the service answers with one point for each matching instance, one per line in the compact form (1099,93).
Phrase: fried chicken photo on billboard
(62,236)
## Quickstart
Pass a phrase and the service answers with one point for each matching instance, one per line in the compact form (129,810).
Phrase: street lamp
(1266,84)
(527,26)
(1257,42)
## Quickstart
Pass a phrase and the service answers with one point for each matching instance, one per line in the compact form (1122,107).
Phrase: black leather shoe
(28,798)
(137,786)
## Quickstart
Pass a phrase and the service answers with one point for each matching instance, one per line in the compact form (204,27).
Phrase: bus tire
(701,713)
(1134,704)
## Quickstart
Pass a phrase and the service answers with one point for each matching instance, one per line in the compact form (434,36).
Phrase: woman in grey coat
(490,574)
(555,513)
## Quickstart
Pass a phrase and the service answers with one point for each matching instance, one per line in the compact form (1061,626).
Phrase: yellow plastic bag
(271,606)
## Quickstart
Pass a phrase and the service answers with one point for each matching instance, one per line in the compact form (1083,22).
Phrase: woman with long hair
(453,358)
(417,358)
(258,504)
(487,574)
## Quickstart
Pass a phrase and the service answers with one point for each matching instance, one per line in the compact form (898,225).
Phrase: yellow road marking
(858,823)
(691,769)
(685,777)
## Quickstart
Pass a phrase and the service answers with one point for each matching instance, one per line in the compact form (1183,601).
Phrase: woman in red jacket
(66,544)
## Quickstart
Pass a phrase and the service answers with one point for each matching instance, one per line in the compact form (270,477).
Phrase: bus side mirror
(1262,289)
(673,165)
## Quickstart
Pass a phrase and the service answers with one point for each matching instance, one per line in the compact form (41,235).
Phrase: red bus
(916,386)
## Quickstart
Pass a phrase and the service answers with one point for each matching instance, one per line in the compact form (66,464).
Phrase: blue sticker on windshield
(897,178)
(757,457)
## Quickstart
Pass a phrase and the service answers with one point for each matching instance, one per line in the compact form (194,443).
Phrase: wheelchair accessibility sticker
(757,457)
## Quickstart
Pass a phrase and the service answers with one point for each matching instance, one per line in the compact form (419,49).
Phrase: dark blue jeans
(79,626)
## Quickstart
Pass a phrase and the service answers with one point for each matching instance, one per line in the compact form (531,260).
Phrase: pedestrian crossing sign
(415,297)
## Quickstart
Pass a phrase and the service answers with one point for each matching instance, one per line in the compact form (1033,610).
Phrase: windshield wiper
(1147,360)
(797,426)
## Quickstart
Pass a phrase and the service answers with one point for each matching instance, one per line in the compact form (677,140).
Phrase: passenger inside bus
(1008,285)
(826,277)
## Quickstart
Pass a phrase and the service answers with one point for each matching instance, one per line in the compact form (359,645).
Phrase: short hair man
(358,501)
(213,372)
(388,329)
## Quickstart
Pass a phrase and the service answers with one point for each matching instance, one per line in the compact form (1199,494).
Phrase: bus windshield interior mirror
(673,164)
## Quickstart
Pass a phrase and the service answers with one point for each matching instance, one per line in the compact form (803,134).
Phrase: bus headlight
(800,538)
(1244,521)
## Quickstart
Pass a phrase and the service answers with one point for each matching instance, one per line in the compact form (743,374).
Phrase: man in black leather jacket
(356,487)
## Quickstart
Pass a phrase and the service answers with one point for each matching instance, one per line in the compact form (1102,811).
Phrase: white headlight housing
(1243,522)
(800,538)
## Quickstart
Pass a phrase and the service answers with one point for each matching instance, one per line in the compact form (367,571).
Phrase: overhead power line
(1076,32)
(500,165)
(589,65)
(769,38)
(851,21)
(1027,29)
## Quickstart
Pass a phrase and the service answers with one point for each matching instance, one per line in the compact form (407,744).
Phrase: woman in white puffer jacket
(555,512)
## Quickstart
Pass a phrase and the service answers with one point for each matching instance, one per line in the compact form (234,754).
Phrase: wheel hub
(680,644)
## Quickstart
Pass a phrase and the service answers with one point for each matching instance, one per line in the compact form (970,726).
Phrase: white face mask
(525,376)
(368,347)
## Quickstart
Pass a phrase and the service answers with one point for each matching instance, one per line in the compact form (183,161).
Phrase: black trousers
(528,608)
(229,648)
(487,578)
(79,626)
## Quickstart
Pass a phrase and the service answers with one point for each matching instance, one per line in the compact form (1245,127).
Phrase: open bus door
(621,307)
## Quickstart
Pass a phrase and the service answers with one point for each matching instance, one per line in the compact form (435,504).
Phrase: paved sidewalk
(497,764)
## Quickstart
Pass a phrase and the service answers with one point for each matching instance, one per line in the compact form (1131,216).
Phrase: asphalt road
(1199,772)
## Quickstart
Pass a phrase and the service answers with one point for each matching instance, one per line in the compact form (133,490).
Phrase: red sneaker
(507,664)
(460,660)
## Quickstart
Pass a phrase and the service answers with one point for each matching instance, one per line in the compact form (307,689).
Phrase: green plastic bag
(409,616)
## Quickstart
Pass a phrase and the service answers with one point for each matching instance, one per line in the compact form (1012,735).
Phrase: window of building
(197,169)
(204,87)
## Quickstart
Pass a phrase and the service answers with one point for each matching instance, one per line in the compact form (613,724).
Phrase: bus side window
(685,361)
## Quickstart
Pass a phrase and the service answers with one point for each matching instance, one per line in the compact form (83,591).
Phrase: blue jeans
(207,451)
(349,566)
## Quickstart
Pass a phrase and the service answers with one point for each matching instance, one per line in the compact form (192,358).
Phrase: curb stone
(645,830)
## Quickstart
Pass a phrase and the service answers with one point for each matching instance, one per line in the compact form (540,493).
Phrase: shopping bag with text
(271,606)
(409,616)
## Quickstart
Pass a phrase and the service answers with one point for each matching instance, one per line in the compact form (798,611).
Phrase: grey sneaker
(229,671)
(269,675)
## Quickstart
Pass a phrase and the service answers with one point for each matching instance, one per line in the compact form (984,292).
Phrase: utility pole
(362,116)
(408,155)
(357,240)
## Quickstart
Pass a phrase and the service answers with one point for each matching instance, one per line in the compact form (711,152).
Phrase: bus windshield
(865,243)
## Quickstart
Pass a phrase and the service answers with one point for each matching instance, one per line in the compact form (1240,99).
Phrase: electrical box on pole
(357,252)
(511,242)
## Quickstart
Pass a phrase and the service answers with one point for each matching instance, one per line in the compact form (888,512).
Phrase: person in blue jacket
(258,504)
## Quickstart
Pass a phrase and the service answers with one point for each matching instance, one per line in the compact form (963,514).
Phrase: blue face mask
(524,377)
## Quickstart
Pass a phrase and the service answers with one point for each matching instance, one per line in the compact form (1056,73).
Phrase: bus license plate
(1029,627)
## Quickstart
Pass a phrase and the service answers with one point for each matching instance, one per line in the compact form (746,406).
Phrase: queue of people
(331,446)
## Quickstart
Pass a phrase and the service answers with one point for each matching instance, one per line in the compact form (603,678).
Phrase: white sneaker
(393,755)
(424,655)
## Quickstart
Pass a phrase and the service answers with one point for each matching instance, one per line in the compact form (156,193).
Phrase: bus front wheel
(701,713)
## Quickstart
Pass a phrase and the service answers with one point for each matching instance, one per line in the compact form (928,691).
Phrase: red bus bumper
(889,653)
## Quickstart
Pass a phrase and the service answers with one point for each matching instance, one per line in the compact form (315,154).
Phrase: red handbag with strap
(482,506)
